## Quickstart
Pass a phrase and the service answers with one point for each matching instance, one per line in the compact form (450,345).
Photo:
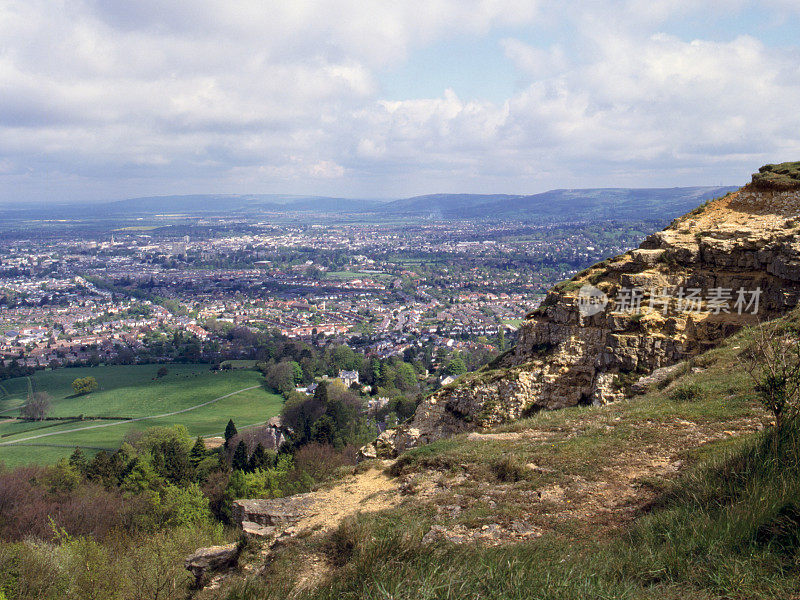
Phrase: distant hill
(552,206)
(449,206)
(234,203)
(560,205)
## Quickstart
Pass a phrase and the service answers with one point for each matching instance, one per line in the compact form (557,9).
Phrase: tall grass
(730,528)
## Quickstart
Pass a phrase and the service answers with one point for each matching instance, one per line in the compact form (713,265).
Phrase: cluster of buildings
(386,286)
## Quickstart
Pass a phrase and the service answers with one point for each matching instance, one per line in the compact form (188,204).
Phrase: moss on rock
(783,176)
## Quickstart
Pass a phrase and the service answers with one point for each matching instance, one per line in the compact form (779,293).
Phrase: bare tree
(772,361)
(37,407)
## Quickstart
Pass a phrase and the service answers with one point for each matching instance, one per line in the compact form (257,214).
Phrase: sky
(107,99)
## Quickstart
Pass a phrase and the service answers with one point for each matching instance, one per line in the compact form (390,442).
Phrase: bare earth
(369,491)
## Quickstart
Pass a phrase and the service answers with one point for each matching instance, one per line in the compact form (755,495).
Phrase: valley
(427,300)
(632,435)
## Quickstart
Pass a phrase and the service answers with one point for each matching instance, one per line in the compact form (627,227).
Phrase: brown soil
(598,502)
(741,208)
(212,443)
(312,568)
(368,491)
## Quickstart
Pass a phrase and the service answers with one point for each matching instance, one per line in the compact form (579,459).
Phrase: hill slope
(659,497)
(684,492)
(659,309)
(130,398)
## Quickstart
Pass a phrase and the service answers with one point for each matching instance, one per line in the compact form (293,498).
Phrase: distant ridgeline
(555,206)
(562,205)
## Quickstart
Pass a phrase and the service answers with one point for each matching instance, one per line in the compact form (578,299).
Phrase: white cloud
(636,108)
(535,62)
(97,86)
(111,98)
(326,169)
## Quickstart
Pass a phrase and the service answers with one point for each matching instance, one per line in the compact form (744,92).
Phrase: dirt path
(590,494)
(369,491)
(112,424)
(611,496)
(363,492)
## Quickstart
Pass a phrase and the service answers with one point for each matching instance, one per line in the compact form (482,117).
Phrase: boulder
(257,531)
(206,561)
(656,378)
(280,512)
(385,446)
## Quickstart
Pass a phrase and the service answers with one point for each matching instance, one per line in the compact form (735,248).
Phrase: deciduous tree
(84,385)
(37,407)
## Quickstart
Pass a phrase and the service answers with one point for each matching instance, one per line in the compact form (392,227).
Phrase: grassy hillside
(783,176)
(686,492)
(128,392)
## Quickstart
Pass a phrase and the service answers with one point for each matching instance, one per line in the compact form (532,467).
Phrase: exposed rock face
(206,561)
(749,240)
(268,520)
(277,512)
(658,377)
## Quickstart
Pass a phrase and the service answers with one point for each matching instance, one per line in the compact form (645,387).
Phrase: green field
(514,322)
(128,392)
(239,364)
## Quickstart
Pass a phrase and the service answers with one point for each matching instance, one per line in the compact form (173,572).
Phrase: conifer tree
(198,451)
(259,458)
(240,462)
(501,338)
(77,460)
(222,462)
(338,413)
(321,393)
(230,431)
(324,431)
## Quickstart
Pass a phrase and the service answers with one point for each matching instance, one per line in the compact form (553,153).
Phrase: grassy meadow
(127,392)
(347,275)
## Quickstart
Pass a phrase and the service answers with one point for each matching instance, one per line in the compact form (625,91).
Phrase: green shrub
(185,506)
(687,392)
(597,276)
(510,469)
(84,385)
(783,176)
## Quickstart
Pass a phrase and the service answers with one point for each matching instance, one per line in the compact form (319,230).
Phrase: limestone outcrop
(268,520)
(208,561)
(731,262)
